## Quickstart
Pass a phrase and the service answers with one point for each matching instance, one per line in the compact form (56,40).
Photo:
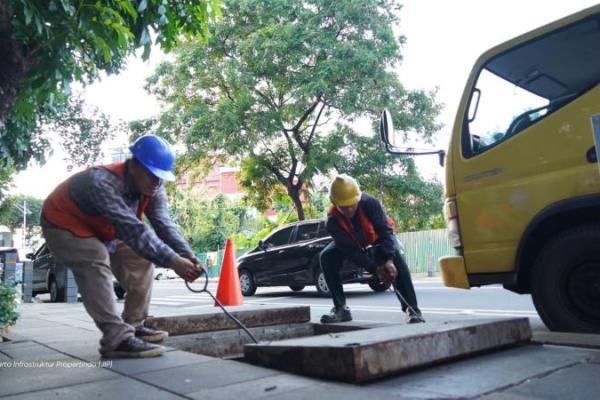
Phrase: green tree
(11,214)
(412,202)
(47,44)
(275,76)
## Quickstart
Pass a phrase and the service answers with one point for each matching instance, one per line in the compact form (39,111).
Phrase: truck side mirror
(386,128)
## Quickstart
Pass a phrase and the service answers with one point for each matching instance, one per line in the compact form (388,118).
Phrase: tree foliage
(12,216)
(48,44)
(206,223)
(412,202)
(274,78)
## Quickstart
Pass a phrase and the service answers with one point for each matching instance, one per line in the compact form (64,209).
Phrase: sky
(444,39)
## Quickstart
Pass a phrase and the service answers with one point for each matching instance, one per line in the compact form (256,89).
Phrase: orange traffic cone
(229,292)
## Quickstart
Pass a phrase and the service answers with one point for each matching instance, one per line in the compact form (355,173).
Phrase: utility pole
(25,211)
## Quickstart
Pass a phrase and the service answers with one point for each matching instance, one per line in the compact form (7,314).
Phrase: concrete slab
(23,377)
(171,359)
(488,373)
(31,351)
(332,391)
(578,382)
(271,386)
(216,320)
(588,340)
(363,355)
(120,388)
(195,377)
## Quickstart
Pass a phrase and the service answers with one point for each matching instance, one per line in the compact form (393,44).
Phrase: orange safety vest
(365,224)
(60,210)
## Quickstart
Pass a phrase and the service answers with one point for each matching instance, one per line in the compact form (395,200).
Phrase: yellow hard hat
(344,191)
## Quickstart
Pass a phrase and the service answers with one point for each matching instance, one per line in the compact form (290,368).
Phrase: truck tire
(565,281)
(247,283)
(56,294)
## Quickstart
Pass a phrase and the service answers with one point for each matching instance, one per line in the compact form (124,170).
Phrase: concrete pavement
(52,353)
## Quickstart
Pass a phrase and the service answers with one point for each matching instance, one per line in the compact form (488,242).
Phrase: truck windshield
(522,85)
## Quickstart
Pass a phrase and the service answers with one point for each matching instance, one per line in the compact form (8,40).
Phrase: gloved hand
(387,272)
(185,268)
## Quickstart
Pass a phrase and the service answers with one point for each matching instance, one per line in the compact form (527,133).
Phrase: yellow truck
(522,195)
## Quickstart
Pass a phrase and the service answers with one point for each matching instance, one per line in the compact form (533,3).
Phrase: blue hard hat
(156,155)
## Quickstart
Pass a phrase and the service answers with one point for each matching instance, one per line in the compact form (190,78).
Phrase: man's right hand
(185,268)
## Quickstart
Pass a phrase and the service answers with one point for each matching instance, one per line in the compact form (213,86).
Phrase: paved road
(437,302)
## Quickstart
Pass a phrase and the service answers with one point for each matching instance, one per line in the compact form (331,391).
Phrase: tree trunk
(294,193)
(13,67)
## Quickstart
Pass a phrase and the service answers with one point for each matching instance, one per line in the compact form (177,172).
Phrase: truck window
(519,87)
(504,110)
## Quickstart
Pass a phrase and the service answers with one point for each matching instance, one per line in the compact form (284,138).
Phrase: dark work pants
(332,259)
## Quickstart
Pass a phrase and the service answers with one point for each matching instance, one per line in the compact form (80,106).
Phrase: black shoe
(133,347)
(150,335)
(337,314)
(415,318)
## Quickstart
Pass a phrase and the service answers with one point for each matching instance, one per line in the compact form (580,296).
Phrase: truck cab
(522,195)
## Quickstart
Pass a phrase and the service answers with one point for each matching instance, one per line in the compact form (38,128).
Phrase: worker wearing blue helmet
(93,224)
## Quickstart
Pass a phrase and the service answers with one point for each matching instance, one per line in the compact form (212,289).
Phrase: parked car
(164,273)
(3,252)
(289,256)
(50,276)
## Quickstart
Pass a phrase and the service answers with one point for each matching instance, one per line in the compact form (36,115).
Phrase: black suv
(289,256)
(50,276)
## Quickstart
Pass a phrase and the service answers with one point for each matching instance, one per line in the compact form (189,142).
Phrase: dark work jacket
(358,255)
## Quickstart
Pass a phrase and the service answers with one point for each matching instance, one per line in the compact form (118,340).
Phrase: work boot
(337,314)
(415,317)
(150,335)
(133,347)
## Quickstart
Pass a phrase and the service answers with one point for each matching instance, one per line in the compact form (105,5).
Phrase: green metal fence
(423,248)
(217,260)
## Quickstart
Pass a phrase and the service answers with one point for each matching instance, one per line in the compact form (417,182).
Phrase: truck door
(524,140)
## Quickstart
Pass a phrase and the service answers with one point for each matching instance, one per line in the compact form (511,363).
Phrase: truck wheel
(565,281)
(247,283)
(379,286)
(56,294)
(321,284)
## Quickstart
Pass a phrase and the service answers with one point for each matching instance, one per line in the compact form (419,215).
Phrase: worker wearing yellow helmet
(363,234)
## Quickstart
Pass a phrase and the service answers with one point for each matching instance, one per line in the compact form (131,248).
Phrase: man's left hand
(387,272)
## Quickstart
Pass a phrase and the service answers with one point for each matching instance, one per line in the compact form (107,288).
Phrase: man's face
(144,181)
(348,211)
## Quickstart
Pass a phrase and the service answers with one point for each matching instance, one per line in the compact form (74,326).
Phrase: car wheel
(565,281)
(158,277)
(297,288)
(379,286)
(56,294)
(321,284)
(247,283)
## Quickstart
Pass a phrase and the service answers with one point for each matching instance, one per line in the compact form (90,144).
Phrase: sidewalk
(52,354)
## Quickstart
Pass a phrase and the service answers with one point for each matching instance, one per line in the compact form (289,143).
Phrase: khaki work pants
(93,268)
